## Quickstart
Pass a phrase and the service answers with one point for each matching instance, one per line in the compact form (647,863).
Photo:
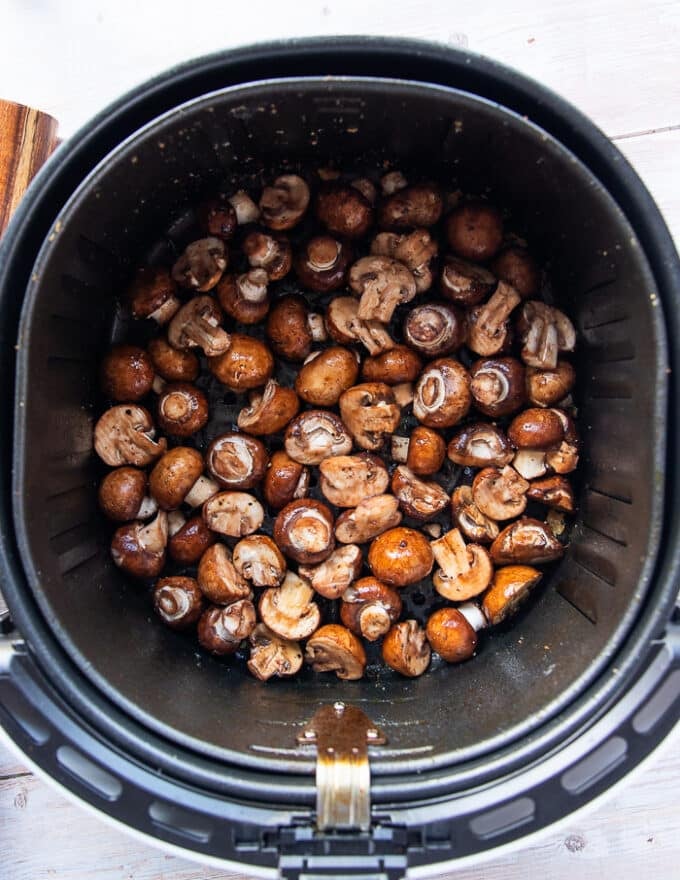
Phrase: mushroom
(416,205)
(511,586)
(366,188)
(392,182)
(498,386)
(181,409)
(475,525)
(315,435)
(383,284)
(442,394)
(258,560)
(247,364)
(500,493)
(450,635)
(269,411)
(395,366)
(175,479)
(555,492)
(370,518)
(333,648)
(197,325)
(218,579)
(530,463)
(126,373)
(290,610)
(171,364)
(271,656)
(488,325)
(189,540)
(139,548)
(564,459)
(423,452)
(322,263)
(344,210)
(246,209)
(536,428)
(400,557)
(480,444)
(526,542)
(434,329)
(345,326)
(152,294)
(234,514)
(465,570)
(217,217)
(465,283)
(548,387)
(221,630)
(122,495)
(177,601)
(201,265)
(347,479)
(418,498)
(283,204)
(416,250)
(369,412)
(245,298)
(406,649)
(334,575)
(403,394)
(474,231)
(284,481)
(288,329)
(236,461)
(303,530)
(271,253)
(544,331)
(124,435)
(369,608)
(517,267)
(326,374)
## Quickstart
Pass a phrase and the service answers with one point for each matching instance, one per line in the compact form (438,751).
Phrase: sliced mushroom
(217,217)
(283,204)
(326,374)
(474,231)
(418,498)
(416,250)
(246,365)
(315,435)
(536,428)
(288,329)
(178,601)
(544,331)
(334,648)
(416,205)
(396,366)
(465,570)
(174,476)
(406,649)
(442,395)
(181,409)
(530,463)
(549,387)
(369,608)
(564,459)
(272,656)
(526,542)
(383,284)
(269,411)
(322,263)
(517,267)
(511,586)
(124,435)
(259,560)
(218,578)
(236,461)
(465,283)
(347,479)
(122,495)
(488,325)
(246,209)
(345,326)
(189,539)
(498,386)
(126,373)
(234,514)
(370,518)
(153,294)
(271,253)
(480,444)
(500,493)
(171,364)
(290,610)
(303,530)
(221,630)
(201,265)
(474,524)
(400,557)
(434,329)
(344,210)
(197,325)
(139,548)
(369,412)
(404,394)
(284,481)
(332,576)
(450,635)
(245,298)
(555,492)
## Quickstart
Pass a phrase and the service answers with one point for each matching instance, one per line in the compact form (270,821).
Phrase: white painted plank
(10,765)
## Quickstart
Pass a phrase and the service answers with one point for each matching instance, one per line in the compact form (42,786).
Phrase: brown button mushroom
(284,481)
(418,498)
(218,578)
(555,492)
(442,394)
(344,211)
(369,412)
(500,493)
(177,601)
(126,373)
(536,429)
(221,630)
(283,203)
(434,329)
(450,635)
(181,409)
(488,325)
(347,479)
(392,182)
(564,459)
(271,656)
(174,476)
(511,586)
(288,328)
(325,375)
(197,325)
(526,542)
(190,541)
(369,608)
(530,463)
(315,435)
(236,461)
(269,411)
(247,364)
(124,435)
(393,367)
(334,648)
(465,283)
(423,452)
(171,364)
(258,560)
(234,514)
(322,264)
(417,205)
(366,188)
(272,253)
(480,444)
(474,231)
(246,209)
(544,331)
(475,525)
(382,284)
(548,387)
(152,294)
(245,298)
(406,649)
(370,518)
(517,267)
(303,530)
(416,250)
(139,548)
(465,570)
(332,576)
(217,217)
(345,326)
(122,495)
(201,265)
(498,386)
(290,610)
(400,557)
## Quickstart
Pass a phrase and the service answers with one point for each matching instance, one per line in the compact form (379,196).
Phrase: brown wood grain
(27,137)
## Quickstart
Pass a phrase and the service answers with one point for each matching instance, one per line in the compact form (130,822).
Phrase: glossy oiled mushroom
(245,298)
(393,367)
(347,479)
(138,548)
(517,267)
(536,428)
(345,326)
(269,411)
(218,579)
(153,294)
(222,630)
(197,325)
(201,265)
(236,461)
(217,217)
(303,530)
(544,331)
(416,250)
(480,444)
(549,387)
(406,649)
(528,542)
(189,539)
(450,635)
(370,412)
(500,493)
(511,586)
(465,570)
(258,560)
(247,364)
(315,435)
(400,557)
(326,374)
(181,409)
(273,656)
(419,499)
(434,329)
(176,479)
(370,518)
(290,328)
(474,524)
(178,601)
(392,182)
(423,452)
(125,435)
(269,253)
(344,210)
(284,481)
(498,386)
(334,648)
(233,514)
(442,394)
(555,492)
(564,459)
(416,205)
(530,463)
(382,284)
(290,610)
(465,283)
(283,203)
(127,373)
(122,495)
(171,364)
(331,577)
(369,608)
(367,189)
(489,325)
(322,263)
(474,231)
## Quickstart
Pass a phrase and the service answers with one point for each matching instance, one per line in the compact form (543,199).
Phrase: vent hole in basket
(503,819)
(90,774)
(179,822)
(657,705)
(595,766)
(23,714)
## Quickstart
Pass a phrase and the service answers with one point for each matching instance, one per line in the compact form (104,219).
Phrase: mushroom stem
(147,508)
(201,331)
(202,489)
(474,615)
(399,448)
(176,521)
(253,285)
(317,327)
(159,384)
(154,536)
(167,311)
(246,209)
(403,393)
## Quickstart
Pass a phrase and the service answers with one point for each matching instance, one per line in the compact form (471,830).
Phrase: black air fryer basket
(195,752)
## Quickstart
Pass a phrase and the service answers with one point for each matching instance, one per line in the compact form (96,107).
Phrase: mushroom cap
(331,577)
(315,435)
(182,409)
(369,608)
(272,253)
(500,493)
(475,525)
(171,364)
(201,264)
(347,479)
(174,475)
(290,610)
(526,542)
(344,210)
(222,629)
(287,329)
(322,263)
(370,411)
(322,380)
(121,493)
(382,283)
(217,217)
(272,656)
(283,203)
(517,267)
(230,294)
(139,548)
(344,325)
(124,435)
(536,428)
(233,514)
(218,578)
(126,373)
(465,283)
(333,648)
(246,365)
(406,649)
(370,518)
(465,570)
(480,444)
(549,387)
(416,250)
(197,325)
(416,205)
(498,385)
(284,481)
(190,541)
(236,460)
(400,556)
(435,328)
(151,290)
(555,492)
(303,530)
(475,231)
(450,635)
(420,499)
(178,601)
(442,394)
(269,411)
(393,367)
(258,560)
(511,586)
(426,451)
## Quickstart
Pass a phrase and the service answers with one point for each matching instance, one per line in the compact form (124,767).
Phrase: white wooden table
(618,62)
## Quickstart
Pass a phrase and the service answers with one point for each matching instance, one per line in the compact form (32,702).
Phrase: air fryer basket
(559,667)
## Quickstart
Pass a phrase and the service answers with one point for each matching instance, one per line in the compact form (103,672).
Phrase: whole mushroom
(322,263)
(171,364)
(536,428)
(189,539)
(334,648)
(178,601)
(474,231)
(369,608)
(465,284)
(269,411)
(288,328)
(511,586)
(393,367)
(181,409)
(416,205)
(344,210)
(400,557)
(153,294)
(406,649)
(127,373)
(236,461)
(549,387)
(245,298)
(498,386)
(303,530)
(434,329)
(442,394)
(450,635)
(325,375)
(269,253)
(217,218)
(176,479)
(423,452)
(517,267)
(122,495)
(247,364)
(139,548)
(284,481)
(222,630)
(125,434)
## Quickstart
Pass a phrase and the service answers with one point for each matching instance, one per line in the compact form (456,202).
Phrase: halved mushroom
(284,481)
(153,294)
(369,412)
(218,578)
(370,518)
(393,367)
(564,459)
(517,267)
(480,444)
(528,542)
(369,608)
(465,570)
(416,250)
(530,463)
(400,557)
(124,435)
(488,325)
(347,479)
(406,649)
(500,493)
(344,210)
(269,411)
(415,205)
(392,182)
(246,209)
(345,326)
(283,204)
(536,428)
(139,548)
(544,331)
(511,586)
(383,284)
(178,601)
(418,498)
(333,648)
(326,374)
(181,409)
(465,283)
(217,217)
(332,576)
(555,492)
(315,435)
(234,514)
(126,373)
(201,265)
(474,524)
(322,263)
(434,329)
(451,635)
(171,364)
(197,325)
(290,610)
(259,560)
(498,386)
(442,394)
(475,230)
(271,253)
(367,189)
(122,495)
(303,530)
(221,630)
(175,476)
(189,539)
(245,298)
(272,656)
(236,461)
